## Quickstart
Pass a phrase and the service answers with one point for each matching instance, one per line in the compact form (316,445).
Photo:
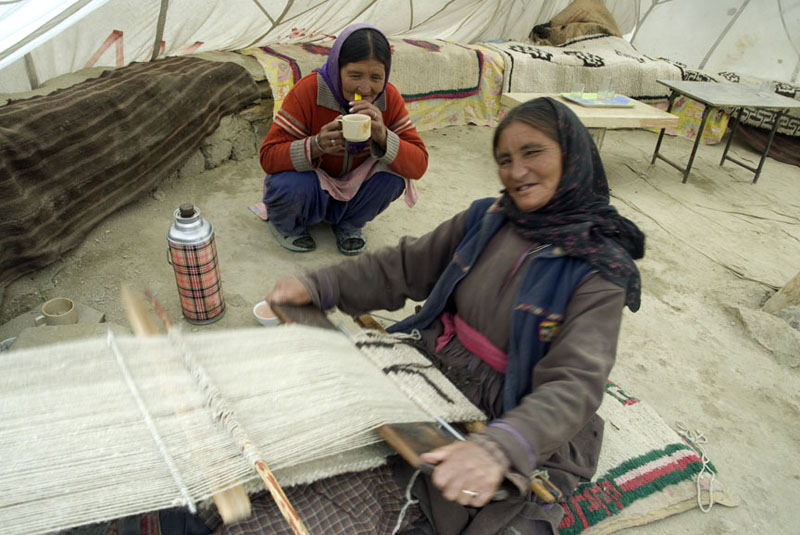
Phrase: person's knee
(398,185)
(290,187)
(391,184)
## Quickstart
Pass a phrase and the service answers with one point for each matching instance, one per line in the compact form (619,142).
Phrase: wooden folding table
(598,119)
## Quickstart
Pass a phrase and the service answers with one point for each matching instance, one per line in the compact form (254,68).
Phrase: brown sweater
(568,382)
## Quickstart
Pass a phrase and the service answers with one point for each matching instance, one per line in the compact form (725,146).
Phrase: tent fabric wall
(755,37)
(724,35)
(190,25)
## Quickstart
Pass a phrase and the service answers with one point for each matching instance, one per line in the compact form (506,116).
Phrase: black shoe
(302,243)
(349,242)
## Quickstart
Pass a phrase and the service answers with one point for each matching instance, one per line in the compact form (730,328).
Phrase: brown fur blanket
(580,18)
(71,158)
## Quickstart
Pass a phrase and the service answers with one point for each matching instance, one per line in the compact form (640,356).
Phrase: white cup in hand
(356,126)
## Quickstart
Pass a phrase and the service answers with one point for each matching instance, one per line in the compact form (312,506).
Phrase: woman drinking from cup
(314,173)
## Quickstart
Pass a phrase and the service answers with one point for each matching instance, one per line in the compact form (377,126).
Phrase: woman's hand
(330,139)
(378,128)
(465,472)
(289,291)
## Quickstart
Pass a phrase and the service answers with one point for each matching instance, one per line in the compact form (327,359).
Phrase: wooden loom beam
(232,504)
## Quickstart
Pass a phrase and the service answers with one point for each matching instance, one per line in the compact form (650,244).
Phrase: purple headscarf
(330,73)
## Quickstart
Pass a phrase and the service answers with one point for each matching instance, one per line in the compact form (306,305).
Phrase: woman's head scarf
(330,71)
(579,218)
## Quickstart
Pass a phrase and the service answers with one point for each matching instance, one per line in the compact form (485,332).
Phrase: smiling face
(363,77)
(529,165)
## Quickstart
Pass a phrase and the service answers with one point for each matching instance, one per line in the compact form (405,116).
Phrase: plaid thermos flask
(193,255)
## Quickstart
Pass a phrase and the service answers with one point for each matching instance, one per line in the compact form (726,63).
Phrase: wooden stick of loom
(287,510)
(232,504)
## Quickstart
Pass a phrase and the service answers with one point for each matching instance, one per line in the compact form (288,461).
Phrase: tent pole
(722,34)
(162,20)
(30,68)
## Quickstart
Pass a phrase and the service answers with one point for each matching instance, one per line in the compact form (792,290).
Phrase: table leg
(733,132)
(598,134)
(696,143)
(769,144)
(756,170)
(672,96)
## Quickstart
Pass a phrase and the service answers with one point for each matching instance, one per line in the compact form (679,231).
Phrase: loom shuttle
(449,428)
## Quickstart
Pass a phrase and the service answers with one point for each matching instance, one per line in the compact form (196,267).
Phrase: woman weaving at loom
(524,297)
(315,175)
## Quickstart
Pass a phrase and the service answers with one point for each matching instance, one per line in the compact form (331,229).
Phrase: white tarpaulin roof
(41,39)
(756,37)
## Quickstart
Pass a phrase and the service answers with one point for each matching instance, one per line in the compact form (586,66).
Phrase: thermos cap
(188,227)
(186,210)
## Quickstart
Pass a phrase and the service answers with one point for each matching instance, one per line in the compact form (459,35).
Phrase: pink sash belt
(471,339)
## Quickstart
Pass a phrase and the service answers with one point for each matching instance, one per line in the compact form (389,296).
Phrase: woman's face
(529,164)
(363,77)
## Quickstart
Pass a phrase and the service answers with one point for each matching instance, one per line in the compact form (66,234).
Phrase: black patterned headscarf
(579,218)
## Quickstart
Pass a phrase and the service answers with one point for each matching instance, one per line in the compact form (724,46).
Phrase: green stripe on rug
(594,502)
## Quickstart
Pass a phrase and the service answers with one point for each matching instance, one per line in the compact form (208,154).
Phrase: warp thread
(149,421)
(220,410)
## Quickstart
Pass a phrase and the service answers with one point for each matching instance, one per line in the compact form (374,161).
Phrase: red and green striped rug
(646,472)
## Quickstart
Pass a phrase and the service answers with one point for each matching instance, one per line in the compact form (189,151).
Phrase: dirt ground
(699,350)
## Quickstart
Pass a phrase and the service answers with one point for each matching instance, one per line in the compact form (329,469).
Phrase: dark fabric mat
(71,158)
(784,148)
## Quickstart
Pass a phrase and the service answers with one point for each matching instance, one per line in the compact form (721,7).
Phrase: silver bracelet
(316,142)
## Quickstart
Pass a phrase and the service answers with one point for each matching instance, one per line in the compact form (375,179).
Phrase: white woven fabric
(587,61)
(74,447)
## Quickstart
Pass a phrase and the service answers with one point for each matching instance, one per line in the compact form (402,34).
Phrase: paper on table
(591,100)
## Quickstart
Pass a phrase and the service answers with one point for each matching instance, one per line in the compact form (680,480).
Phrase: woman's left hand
(465,472)
(378,128)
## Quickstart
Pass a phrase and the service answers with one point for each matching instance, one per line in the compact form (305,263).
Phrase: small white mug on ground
(356,126)
(58,311)
(264,314)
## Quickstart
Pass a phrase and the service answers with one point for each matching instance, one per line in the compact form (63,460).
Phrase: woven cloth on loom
(71,158)
(587,61)
(307,399)
(443,83)
(646,470)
